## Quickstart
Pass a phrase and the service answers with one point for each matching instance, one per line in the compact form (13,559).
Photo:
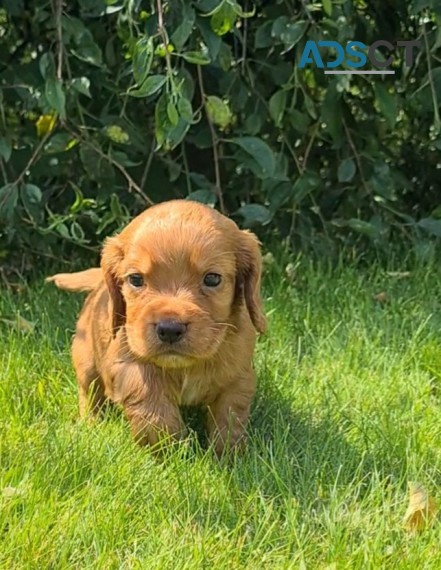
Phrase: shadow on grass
(303,454)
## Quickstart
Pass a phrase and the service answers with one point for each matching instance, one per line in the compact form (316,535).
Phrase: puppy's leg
(152,416)
(90,387)
(227,416)
(151,425)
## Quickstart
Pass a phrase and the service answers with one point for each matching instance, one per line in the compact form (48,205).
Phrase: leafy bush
(110,106)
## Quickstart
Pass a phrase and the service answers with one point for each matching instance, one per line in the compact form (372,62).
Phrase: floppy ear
(111,258)
(249,271)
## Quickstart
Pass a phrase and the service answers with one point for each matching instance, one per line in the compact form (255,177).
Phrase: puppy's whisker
(234,327)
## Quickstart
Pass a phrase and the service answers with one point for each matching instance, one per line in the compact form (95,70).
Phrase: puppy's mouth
(173,359)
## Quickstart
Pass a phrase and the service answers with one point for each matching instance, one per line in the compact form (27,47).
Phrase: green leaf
(277,105)
(263,37)
(278,194)
(287,32)
(253,124)
(185,109)
(436,213)
(161,120)
(225,57)
(172,113)
(362,227)
(177,133)
(430,225)
(89,52)
(208,6)
(31,197)
(33,193)
(47,65)
(419,5)
(203,196)
(122,158)
(8,201)
(200,181)
(381,181)
(299,121)
(239,11)
(183,31)
(60,142)
(305,184)
(55,96)
(5,148)
(387,103)
(142,59)
(168,135)
(346,170)
(96,167)
(150,86)
(260,152)
(196,57)
(327,7)
(81,84)
(218,111)
(223,20)
(212,41)
(254,214)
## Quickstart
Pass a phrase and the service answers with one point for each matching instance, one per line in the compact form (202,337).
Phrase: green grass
(348,411)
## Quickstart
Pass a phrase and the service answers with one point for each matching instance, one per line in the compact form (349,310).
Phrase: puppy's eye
(136,280)
(212,279)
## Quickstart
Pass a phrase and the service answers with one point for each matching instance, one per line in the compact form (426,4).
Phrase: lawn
(348,411)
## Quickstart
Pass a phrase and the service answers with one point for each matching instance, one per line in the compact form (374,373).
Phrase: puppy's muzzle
(169,331)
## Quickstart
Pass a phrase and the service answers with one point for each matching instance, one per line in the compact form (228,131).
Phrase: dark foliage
(108,106)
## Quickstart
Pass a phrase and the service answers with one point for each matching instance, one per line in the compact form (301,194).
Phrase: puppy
(171,320)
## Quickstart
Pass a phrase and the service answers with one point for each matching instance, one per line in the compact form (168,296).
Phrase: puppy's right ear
(111,258)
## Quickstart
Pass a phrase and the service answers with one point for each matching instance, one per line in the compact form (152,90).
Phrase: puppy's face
(175,276)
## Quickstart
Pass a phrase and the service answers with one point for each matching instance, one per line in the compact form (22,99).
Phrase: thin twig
(163,33)
(308,13)
(292,152)
(309,147)
(17,86)
(215,141)
(132,184)
(357,157)
(186,169)
(432,86)
(148,164)
(33,158)
(4,173)
(244,38)
(58,11)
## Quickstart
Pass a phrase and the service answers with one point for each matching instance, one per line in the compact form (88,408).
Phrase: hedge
(110,106)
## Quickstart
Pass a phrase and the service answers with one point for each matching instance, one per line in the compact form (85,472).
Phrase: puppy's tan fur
(116,352)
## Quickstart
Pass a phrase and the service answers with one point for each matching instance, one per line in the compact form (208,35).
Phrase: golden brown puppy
(171,320)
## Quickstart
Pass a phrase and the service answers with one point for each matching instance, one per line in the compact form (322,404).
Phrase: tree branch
(33,158)
(163,33)
(58,11)
(357,157)
(215,140)
(132,184)
(148,164)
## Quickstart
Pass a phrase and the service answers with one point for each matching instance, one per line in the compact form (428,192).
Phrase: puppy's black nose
(170,331)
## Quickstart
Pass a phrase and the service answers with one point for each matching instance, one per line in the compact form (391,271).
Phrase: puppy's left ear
(249,272)
(112,256)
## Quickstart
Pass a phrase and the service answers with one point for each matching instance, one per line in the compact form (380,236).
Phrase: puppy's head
(177,277)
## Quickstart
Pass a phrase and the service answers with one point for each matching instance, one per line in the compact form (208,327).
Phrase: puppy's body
(155,333)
